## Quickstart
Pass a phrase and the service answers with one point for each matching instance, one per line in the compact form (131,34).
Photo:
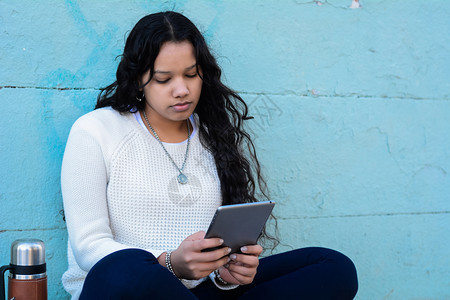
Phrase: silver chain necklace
(181,178)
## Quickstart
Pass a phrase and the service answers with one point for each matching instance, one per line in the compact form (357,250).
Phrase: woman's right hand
(189,262)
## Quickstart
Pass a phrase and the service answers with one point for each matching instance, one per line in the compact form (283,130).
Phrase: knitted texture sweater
(120,191)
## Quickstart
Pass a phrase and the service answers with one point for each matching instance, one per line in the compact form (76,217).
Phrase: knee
(124,272)
(345,272)
(124,262)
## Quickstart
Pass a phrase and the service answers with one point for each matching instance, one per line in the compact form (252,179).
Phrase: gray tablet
(239,224)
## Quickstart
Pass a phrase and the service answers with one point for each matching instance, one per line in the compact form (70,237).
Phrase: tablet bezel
(239,224)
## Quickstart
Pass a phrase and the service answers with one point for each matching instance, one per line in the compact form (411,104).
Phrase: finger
(208,243)
(252,250)
(216,254)
(241,269)
(221,262)
(242,274)
(210,266)
(248,260)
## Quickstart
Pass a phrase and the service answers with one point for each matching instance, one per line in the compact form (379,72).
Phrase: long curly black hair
(221,111)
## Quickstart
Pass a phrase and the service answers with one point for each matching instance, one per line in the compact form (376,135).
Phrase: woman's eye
(191,75)
(162,81)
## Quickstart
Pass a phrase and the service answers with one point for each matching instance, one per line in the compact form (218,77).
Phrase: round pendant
(182,178)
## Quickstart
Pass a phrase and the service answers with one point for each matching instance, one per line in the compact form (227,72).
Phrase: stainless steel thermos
(27,271)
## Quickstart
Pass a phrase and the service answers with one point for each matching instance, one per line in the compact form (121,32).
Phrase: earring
(140,99)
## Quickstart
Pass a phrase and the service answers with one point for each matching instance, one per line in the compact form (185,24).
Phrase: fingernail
(228,260)
(233,256)
(221,241)
(229,250)
(243,249)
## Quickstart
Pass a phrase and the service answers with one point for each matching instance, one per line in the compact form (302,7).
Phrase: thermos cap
(27,252)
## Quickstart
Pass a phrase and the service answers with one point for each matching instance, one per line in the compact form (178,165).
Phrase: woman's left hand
(242,267)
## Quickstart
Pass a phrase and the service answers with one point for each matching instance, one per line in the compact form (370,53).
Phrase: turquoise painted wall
(351,111)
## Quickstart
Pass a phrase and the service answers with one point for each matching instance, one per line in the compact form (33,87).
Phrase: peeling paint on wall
(355,4)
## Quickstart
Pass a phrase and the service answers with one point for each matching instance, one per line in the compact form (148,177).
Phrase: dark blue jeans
(308,273)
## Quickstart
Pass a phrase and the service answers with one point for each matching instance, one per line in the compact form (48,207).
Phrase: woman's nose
(180,89)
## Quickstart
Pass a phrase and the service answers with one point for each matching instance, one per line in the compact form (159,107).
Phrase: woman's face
(174,91)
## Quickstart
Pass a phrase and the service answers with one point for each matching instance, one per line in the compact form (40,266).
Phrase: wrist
(162,259)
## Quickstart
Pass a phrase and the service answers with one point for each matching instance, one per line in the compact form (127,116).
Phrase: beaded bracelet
(218,277)
(169,263)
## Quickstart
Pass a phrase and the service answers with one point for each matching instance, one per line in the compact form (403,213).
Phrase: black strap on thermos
(3,269)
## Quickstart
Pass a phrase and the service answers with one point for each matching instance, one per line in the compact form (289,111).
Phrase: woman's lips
(180,107)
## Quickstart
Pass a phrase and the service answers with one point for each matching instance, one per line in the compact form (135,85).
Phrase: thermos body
(24,289)
(27,271)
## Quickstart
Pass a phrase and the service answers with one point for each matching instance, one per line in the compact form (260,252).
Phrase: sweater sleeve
(84,183)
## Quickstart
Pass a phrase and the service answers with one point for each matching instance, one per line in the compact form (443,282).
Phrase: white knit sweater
(120,191)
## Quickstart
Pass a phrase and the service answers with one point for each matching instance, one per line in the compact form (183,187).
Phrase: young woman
(145,171)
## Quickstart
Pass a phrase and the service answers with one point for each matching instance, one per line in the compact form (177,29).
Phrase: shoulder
(98,117)
(104,125)
(104,119)
(103,129)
